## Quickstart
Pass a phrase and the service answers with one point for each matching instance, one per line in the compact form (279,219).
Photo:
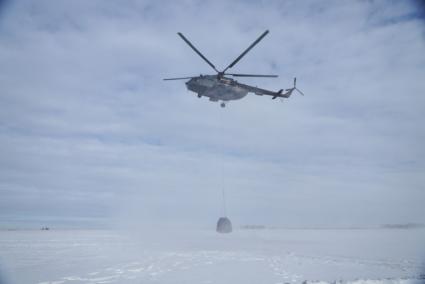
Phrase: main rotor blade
(180,78)
(197,51)
(246,51)
(252,75)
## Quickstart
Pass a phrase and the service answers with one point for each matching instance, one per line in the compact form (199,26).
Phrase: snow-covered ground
(201,256)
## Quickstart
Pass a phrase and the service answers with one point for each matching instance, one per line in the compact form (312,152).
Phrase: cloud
(89,129)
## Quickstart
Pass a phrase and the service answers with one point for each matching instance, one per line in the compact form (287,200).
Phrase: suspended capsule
(224,225)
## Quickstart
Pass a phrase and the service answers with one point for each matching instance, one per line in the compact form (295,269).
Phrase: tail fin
(288,92)
(278,94)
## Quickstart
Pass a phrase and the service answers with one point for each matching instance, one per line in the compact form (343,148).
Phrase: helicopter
(219,87)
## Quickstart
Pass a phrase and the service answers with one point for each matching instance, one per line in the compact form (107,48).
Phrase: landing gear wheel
(222,104)
(199,96)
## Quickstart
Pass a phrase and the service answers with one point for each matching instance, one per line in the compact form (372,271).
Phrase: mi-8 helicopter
(221,88)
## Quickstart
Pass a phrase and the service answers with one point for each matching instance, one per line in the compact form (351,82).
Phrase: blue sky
(90,134)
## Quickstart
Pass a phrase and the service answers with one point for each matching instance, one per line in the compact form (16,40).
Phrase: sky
(91,135)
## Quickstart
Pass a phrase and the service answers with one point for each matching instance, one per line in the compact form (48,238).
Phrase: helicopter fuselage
(216,89)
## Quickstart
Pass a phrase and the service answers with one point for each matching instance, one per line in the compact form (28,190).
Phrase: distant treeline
(403,226)
(253,227)
(384,226)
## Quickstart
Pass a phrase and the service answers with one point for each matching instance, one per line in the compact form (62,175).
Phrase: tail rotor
(295,87)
